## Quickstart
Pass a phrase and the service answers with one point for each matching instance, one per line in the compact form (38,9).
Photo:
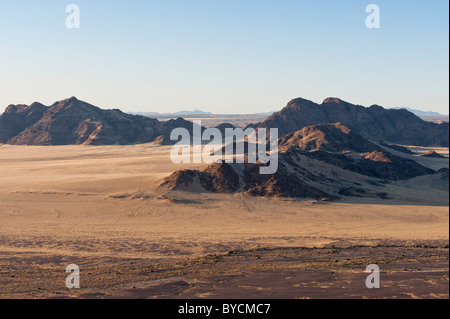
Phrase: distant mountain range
(72,121)
(419,112)
(189,113)
(375,123)
(199,112)
(156,114)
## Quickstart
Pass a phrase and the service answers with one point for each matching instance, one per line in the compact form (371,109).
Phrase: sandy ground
(98,207)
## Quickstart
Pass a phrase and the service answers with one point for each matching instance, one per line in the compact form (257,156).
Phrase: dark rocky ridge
(432,154)
(326,137)
(377,164)
(217,178)
(338,145)
(73,122)
(301,173)
(231,178)
(375,123)
(17,118)
(398,148)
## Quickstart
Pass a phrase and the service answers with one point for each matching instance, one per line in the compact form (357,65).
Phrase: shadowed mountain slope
(375,123)
(72,121)
(322,162)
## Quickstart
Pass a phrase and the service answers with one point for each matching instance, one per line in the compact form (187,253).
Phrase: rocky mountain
(375,123)
(326,137)
(398,148)
(338,145)
(231,178)
(72,121)
(432,154)
(17,118)
(323,161)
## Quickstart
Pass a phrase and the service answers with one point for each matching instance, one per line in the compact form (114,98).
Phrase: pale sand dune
(89,203)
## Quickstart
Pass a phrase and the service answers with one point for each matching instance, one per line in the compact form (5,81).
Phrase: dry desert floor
(99,207)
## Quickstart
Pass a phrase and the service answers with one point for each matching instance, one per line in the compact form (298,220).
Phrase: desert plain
(100,207)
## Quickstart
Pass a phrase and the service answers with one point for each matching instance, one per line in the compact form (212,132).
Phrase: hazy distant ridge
(419,112)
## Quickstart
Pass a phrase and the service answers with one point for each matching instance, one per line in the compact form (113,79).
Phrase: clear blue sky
(233,56)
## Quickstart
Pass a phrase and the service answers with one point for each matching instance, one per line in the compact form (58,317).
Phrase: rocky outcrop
(432,154)
(340,146)
(217,178)
(398,148)
(326,137)
(17,118)
(73,122)
(321,162)
(375,122)
(246,178)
